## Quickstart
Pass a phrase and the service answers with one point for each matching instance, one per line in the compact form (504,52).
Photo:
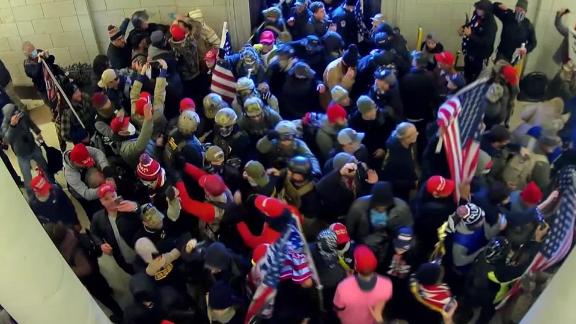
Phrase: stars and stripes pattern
(460,122)
(51,90)
(280,262)
(359,15)
(560,238)
(223,80)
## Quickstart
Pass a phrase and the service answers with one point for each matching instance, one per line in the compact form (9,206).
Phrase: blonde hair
(403,130)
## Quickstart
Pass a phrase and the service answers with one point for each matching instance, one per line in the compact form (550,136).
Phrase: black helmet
(497,249)
(300,164)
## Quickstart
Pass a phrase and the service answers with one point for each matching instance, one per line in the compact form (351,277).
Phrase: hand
(40,138)
(144,68)
(348,168)
(502,7)
(160,140)
(562,12)
(121,113)
(379,153)
(447,316)
(172,193)
(291,21)
(321,88)
(376,312)
(162,63)
(524,152)
(467,31)
(372,177)
(522,51)
(461,31)
(148,112)
(127,206)
(350,74)
(308,283)
(332,27)
(110,181)
(238,197)
(273,172)
(106,248)
(541,232)
(158,263)
(190,245)
(15,119)
(464,188)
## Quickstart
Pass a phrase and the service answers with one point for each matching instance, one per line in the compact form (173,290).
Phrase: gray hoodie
(326,137)
(73,174)
(19,137)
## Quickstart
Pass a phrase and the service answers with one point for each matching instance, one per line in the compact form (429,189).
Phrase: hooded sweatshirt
(75,176)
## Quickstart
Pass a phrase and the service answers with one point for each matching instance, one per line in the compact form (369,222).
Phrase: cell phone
(155,255)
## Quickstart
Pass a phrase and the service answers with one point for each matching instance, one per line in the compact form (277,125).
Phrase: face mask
(34,54)
(251,182)
(377,219)
(226,131)
(520,16)
(131,129)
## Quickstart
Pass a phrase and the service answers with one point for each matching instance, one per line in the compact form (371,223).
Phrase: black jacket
(315,27)
(399,164)
(298,31)
(376,131)
(120,57)
(480,44)
(5,76)
(419,95)
(346,25)
(128,224)
(389,101)
(298,96)
(513,33)
(57,208)
(335,197)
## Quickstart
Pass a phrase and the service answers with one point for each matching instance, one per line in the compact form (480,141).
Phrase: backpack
(518,169)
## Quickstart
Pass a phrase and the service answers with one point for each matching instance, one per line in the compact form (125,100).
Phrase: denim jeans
(25,165)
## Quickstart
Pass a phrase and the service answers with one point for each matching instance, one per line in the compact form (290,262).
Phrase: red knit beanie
(365,260)
(212,184)
(510,75)
(335,112)
(148,168)
(270,207)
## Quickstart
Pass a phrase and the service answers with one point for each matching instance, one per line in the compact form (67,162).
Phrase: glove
(272,134)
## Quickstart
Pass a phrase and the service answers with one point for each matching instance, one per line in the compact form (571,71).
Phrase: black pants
(98,287)
(472,68)
(128,268)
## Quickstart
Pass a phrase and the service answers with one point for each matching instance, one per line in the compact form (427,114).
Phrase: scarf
(398,267)
(327,247)
(293,195)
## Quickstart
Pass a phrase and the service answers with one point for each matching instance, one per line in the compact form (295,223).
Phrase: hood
(154,51)
(8,110)
(67,162)
(333,42)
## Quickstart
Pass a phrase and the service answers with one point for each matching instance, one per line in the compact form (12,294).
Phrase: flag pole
(62,93)
(223,37)
(419,37)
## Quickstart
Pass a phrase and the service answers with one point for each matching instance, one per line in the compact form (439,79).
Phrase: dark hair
(100,63)
(316,5)
(498,133)
(498,192)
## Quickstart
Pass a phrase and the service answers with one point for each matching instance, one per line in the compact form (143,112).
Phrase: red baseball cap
(440,187)
(270,207)
(40,184)
(211,55)
(341,232)
(267,38)
(80,155)
(187,104)
(364,259)
(144,99)
(334,112)
(104,189)
(212,184)
(117,124)
(178,33)
(446,58)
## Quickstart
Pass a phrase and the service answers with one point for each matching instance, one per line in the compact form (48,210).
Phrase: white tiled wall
(76,30)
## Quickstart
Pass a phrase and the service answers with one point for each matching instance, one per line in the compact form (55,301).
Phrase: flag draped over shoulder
(223,81)
(282,260)
(460,122)
(558,242)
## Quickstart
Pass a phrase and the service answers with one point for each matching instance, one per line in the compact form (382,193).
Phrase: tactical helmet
(285,127)
(244,84)
(188,122)
(497,249)
(300,164)
(226,117)
(253,106)
(212,103)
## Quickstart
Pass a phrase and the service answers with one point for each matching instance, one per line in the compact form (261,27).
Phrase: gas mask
(225,131)
(519,16)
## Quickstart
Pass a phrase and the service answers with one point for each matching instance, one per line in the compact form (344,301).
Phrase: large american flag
(223,81)
(359,15)
(460,122)
(558,242)
(282,257)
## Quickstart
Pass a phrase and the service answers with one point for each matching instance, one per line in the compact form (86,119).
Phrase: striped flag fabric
(460,122)
(223,80)
(359,15)
(560,238)
(281,262)
(51,90)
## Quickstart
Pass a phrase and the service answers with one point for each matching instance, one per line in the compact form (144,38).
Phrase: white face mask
(131,129)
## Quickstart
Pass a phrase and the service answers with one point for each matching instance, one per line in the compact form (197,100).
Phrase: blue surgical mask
(378,219)
(34,54)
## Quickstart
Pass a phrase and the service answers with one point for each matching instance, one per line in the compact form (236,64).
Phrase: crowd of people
(323,131)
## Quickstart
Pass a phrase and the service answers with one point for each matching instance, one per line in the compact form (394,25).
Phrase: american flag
(51,90)
(279,257)
(359,13)
(223,81)
(460,120)
(558,242)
